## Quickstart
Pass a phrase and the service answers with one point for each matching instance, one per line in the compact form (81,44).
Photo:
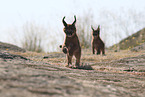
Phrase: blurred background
(36,25)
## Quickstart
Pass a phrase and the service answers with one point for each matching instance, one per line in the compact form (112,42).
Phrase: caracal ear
(74,20)
(98,27)
(92,28)
(64,23)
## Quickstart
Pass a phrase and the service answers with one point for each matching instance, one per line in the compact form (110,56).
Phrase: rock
(10,47)
(5,55)
(138,48)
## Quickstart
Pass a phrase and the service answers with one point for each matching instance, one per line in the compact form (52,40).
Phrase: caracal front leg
(78,57)
(93,50)
(69,60)
(98,51)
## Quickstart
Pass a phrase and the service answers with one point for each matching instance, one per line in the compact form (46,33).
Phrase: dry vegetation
(131,41)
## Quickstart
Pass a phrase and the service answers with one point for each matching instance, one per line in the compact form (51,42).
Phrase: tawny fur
(98,45)
(71,44)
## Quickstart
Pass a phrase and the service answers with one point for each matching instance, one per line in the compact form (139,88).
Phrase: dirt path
(26,78)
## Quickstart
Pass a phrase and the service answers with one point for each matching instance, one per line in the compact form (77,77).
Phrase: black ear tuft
(74,20)
(98,28)
(92,27)
(64,23)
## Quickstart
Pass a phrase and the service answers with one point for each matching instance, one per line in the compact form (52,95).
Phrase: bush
(84,29)
(32,37)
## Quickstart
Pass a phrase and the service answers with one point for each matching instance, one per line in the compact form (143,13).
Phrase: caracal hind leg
(93,50)
(103,52)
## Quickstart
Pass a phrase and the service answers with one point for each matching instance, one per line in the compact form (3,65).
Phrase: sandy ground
(45,75)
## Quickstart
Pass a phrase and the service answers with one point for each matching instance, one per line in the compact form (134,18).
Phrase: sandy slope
(114,75)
